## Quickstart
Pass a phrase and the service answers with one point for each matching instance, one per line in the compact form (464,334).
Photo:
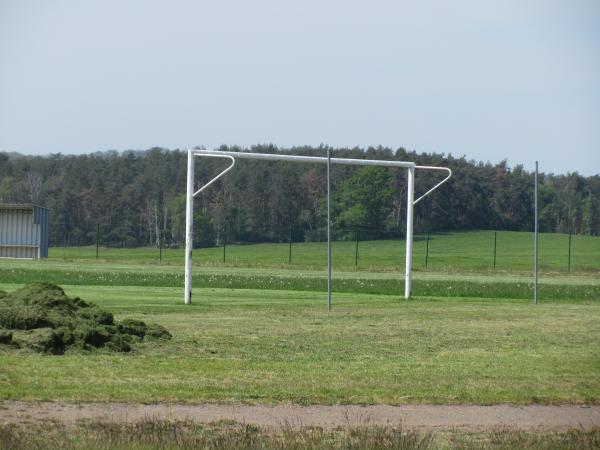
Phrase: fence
(367,249)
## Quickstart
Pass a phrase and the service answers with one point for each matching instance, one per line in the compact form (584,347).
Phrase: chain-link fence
(357,248)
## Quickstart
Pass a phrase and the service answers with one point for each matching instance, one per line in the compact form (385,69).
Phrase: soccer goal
(411,167)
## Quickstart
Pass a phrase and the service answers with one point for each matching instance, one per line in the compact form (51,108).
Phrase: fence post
(356,251)
(495,238)
(224,241)
(569,264)
(290,252)
(97,238)
(160,242)
(427,251)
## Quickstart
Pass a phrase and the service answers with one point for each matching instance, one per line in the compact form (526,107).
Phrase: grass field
(259,332)
(281,346)
(459,251)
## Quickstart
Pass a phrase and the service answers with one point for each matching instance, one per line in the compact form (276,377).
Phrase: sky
(490,80)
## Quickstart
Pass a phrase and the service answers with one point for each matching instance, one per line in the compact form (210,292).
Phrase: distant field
(459,251)
(455,268)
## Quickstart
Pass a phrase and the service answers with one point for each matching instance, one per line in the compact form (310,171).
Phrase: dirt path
(429,417)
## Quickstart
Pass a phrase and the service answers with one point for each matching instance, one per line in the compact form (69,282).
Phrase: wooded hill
(138,197)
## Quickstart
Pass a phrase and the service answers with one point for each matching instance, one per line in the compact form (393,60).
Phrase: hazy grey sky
(487,79)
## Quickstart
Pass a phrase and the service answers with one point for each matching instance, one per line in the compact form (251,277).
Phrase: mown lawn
(566,287)
(250,345)
(455,251)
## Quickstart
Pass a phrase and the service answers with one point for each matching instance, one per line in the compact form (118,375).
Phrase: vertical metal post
(535,245)
(328,230)
(410,199)
(224,241)
(356,251)
(290,252)
(495,238)
(97,238)
(189,227)
(569,263)
(427,251)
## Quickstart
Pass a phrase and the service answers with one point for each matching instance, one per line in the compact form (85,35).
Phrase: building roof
(20,206)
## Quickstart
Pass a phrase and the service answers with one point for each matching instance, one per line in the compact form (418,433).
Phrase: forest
(137,198)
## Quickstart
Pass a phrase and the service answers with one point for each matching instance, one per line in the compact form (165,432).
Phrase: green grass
(249,345)
(457,286)
(456,251)
(258,330)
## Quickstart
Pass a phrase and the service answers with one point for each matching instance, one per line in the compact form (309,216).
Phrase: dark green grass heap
(40,316)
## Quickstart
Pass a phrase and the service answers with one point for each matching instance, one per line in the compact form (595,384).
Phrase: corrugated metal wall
(24,233)
(17,251)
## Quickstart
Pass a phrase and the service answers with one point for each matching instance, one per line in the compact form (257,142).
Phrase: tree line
(137,198)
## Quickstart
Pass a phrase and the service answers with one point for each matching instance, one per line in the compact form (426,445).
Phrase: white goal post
(232,156)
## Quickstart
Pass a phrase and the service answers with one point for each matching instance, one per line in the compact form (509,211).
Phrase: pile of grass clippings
(40,316)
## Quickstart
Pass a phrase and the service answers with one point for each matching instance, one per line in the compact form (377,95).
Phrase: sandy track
(427,417)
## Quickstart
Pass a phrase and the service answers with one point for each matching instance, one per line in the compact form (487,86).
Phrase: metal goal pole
(535,237)
(410,203)
(189,226)
(328,230)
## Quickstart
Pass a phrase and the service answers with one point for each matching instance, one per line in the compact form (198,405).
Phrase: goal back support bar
(232,156)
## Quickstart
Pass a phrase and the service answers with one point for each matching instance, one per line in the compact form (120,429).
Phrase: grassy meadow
(249,345)
(258,330)
(457,251)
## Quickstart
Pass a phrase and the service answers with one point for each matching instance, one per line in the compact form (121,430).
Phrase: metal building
(23,231)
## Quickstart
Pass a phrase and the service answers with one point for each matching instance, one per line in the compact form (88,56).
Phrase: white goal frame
(232,156)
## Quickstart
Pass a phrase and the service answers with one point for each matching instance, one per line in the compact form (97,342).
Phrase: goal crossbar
(232,156)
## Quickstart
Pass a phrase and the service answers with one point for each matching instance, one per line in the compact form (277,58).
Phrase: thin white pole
(189,227)
(535,238)
(410,197)
(328,230)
